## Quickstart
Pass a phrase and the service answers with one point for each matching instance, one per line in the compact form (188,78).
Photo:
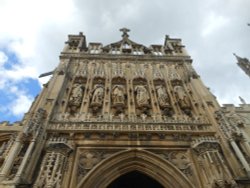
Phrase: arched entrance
(134,160)
(134,179)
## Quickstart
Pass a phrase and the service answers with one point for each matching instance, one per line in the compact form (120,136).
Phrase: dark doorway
(135,179)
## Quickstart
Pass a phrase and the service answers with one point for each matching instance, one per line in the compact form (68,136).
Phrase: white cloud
(36,30)
(3,58)
(21,104)
(213,23)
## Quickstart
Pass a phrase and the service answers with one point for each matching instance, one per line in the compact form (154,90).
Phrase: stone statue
(98,94)
(182,97)
(118,96)
(162,96)
(75,99)
(142,96)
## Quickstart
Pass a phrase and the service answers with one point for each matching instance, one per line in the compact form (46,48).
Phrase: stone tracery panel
(210,157)
(88,159)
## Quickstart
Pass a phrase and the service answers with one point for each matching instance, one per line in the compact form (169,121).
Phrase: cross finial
(124,32)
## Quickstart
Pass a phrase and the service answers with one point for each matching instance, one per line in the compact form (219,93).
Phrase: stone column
(10,158)
(240,156)
(27,155)
(245,145)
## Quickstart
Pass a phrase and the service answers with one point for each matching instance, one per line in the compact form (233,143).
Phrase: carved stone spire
(244,64)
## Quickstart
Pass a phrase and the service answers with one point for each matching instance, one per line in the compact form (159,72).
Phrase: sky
(33,32)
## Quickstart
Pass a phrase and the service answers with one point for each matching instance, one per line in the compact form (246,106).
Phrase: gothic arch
(135,160)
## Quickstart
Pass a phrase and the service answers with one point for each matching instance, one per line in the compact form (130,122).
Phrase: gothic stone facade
(111,110)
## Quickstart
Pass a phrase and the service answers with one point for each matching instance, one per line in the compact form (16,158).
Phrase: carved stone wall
(109,110)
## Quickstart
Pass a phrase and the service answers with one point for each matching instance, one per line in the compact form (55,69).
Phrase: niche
(142,97)
(76,95)
(163,97)
(118,96)
(97,95)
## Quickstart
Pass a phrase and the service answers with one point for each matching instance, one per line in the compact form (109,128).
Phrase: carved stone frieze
(157,128)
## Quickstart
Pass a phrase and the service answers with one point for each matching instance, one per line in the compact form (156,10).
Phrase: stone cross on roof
(125,32)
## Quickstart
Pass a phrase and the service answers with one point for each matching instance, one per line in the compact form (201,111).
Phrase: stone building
(126,115)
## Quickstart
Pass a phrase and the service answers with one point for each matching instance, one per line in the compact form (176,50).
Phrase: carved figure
(76,95)
(118,94)
(182,97)
(142,96)
(162,96)
(98,94)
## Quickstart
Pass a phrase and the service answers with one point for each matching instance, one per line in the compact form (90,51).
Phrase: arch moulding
(135,160)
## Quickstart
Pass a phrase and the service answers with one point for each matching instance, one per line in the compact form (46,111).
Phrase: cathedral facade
(126,115)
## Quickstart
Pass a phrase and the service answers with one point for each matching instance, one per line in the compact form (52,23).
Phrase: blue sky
(33,33)
(15,95)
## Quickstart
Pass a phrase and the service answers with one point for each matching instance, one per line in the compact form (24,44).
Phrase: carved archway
(135,160)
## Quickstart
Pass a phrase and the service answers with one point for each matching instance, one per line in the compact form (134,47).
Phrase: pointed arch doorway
(131,163)
(134,179)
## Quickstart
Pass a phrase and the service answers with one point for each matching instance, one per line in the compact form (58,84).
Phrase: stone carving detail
(182,99)
(88,159)
(5,147)
(35,124)
(180,159)
(236,120)
(172,74)
(117,69)
(75,99)
(156,73)
(163,98)
(140,71)
(228,125)
(97,96)
(99,70)
(118,95)
(212,165)
(83,70)
(54,163)
(142,96)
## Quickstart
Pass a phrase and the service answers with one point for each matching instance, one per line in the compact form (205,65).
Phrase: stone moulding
(76,127)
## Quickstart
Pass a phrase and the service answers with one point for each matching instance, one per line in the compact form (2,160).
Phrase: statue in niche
(162,96)
(75,99)
(118,96)
(98,94)
(182,97)
(142,96)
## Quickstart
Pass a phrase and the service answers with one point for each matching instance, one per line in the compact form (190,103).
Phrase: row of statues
(118,96)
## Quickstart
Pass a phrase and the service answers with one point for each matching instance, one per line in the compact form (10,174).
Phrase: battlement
(232,107)
(7,126)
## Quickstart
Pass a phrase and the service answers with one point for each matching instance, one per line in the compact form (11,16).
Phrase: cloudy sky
(33,32)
